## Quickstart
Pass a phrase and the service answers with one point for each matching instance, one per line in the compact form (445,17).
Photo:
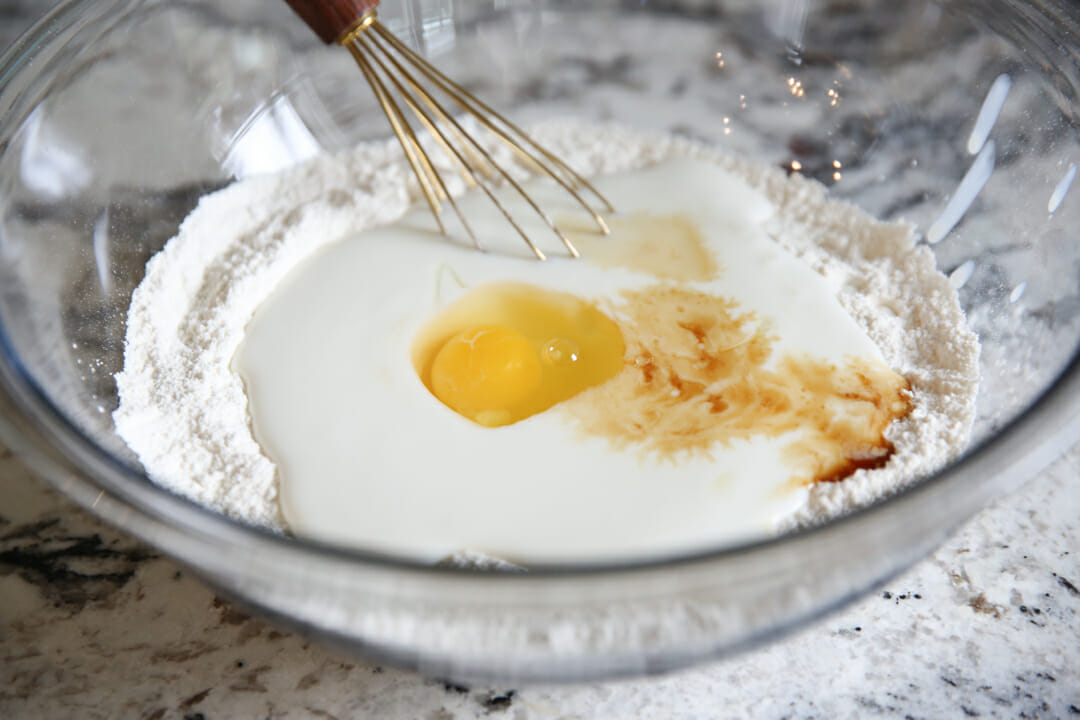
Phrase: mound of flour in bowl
(183,411)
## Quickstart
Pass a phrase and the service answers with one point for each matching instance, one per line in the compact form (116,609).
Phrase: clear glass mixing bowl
(116,115)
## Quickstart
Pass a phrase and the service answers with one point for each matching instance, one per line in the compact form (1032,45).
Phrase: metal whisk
(392,69)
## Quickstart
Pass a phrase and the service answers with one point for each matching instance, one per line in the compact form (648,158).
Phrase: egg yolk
(482,371)
(506,351)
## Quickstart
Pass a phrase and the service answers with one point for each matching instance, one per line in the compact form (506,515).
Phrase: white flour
(184,412)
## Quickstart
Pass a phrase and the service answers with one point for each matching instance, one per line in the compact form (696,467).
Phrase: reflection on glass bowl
(119,116)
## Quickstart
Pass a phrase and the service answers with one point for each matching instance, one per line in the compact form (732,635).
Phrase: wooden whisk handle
(330,19)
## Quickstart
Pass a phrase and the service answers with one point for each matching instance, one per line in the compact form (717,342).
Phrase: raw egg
(506,351)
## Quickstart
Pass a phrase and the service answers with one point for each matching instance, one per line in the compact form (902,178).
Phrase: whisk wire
(377,50)
(430,182)
(470,143)
(464,166)
(468,172)
(510,133)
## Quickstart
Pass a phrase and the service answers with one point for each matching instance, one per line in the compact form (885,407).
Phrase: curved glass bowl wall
(116,116)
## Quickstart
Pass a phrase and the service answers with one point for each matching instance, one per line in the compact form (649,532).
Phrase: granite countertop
(93,624)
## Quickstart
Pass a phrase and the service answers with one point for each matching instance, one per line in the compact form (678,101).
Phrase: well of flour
(184,410)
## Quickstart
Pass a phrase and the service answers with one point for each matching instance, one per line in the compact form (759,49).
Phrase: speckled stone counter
(95,625)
